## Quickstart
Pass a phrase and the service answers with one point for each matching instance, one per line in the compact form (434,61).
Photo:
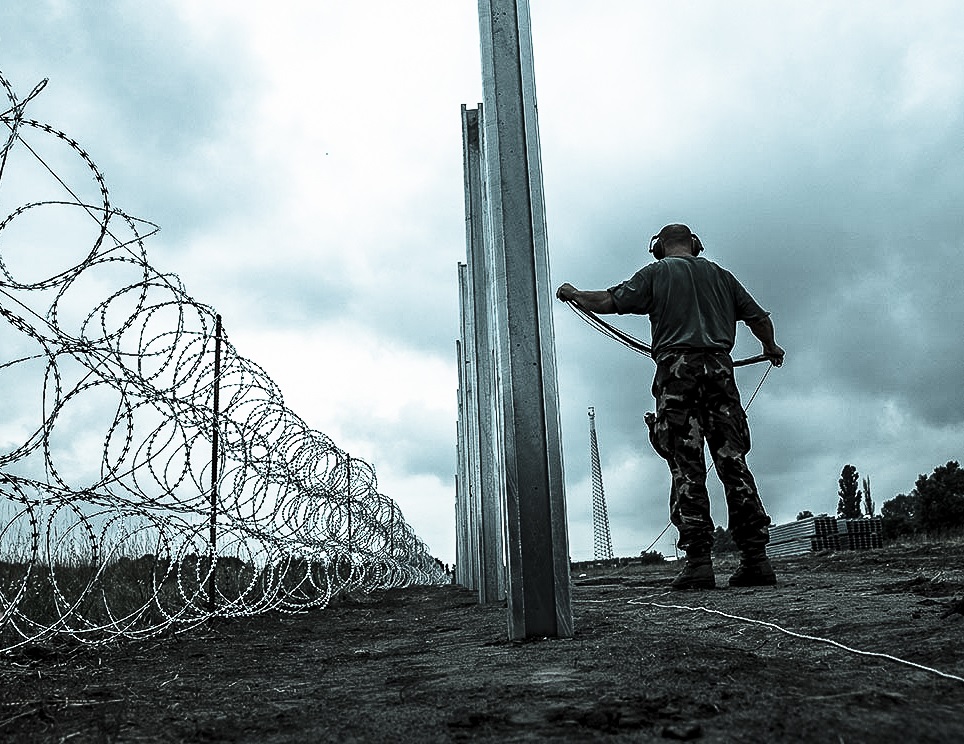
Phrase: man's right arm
(595,301)
(763,330)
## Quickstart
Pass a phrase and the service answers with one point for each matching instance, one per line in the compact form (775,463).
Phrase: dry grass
(143,596)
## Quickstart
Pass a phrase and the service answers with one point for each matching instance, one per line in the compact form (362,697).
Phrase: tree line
(934,507)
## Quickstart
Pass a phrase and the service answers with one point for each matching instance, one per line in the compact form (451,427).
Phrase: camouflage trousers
(697,401)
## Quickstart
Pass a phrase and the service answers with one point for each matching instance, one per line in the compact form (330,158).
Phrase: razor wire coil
(106,460)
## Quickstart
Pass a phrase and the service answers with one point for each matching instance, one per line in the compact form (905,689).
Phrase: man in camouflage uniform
(693,306)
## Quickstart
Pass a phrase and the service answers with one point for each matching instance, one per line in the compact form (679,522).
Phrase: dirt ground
(431,665)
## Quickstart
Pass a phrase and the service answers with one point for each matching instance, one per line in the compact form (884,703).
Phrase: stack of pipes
(824,533)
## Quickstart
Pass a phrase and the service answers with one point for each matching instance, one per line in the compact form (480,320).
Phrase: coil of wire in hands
(151,477)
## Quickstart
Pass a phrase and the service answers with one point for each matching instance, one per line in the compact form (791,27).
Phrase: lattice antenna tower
(602,543)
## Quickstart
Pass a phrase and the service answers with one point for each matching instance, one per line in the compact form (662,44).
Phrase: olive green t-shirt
(692,303)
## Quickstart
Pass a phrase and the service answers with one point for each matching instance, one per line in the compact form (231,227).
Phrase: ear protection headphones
(659,252)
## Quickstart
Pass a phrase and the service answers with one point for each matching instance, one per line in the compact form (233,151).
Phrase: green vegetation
(869,506)
(935,507)
(723,542)
(649,557)
(138,597)
(848,507)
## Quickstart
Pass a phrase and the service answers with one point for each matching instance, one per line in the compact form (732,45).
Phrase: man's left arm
(762,328)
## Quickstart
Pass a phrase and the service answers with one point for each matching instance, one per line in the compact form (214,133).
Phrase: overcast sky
(304,165)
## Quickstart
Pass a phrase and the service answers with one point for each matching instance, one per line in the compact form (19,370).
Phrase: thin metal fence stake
(349,503)
(215,455)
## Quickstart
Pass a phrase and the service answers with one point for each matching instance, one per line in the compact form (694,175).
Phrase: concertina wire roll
(107,392)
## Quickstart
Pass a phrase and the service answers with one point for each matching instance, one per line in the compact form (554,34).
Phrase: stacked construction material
(859,534)
(795,538)
(823,533)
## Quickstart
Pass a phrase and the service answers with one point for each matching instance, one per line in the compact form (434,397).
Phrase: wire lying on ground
(801,636)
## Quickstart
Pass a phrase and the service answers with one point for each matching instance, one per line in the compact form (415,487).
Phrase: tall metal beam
(468,444)
(481,343)
(462,521)
(537,550)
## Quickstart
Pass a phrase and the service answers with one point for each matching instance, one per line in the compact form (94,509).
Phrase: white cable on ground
(803,636)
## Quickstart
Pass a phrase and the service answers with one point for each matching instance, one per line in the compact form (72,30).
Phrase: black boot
(696,574)
(754,570)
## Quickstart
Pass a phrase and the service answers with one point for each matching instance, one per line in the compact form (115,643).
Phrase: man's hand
(775,354)
(762,328)
(566,292)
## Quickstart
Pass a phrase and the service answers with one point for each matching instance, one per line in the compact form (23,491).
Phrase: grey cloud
(153,105)
(818,156)
(416,443)
(283,296)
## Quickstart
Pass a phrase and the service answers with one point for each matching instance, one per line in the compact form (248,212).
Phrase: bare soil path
(428,664)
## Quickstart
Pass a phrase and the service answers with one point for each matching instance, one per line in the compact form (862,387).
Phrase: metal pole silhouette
(602,543)
(215,456)
(348,494)
(476,280)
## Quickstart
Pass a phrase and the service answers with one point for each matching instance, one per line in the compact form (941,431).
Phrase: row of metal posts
(511,531)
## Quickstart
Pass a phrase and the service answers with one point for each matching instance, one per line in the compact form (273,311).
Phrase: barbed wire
(122,416)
